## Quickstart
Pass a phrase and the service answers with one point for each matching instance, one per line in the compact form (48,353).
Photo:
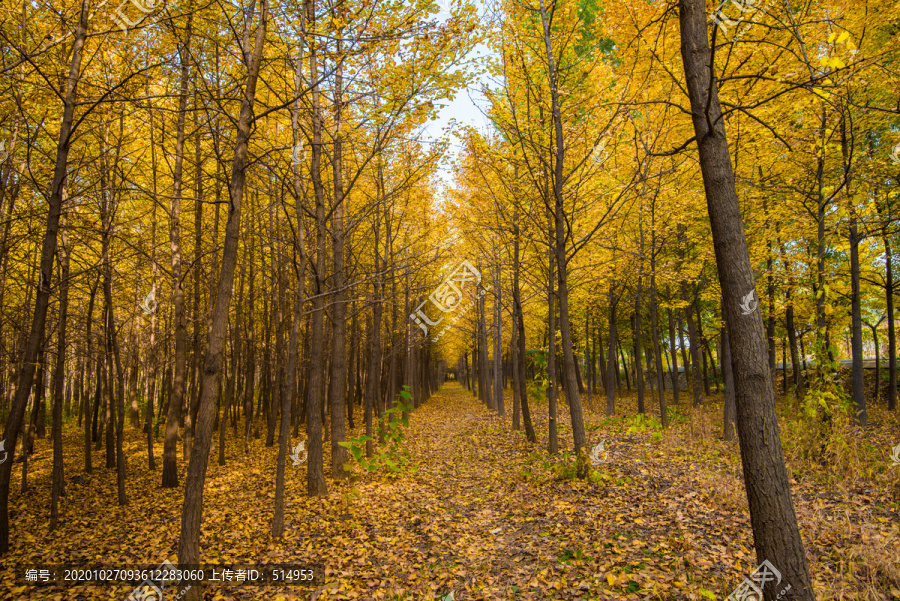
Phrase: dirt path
(484,519)
(485,516)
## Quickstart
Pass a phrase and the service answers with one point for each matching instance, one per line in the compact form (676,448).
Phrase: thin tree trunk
(338,383)
(176,400)
(48,254)
(192,512)
(654,331)
(730,417)
(676,377)
(520,337)
(498,352)
(552,379)
(315,476)
(611,367)
(561,233)
(58,481)
(889,300)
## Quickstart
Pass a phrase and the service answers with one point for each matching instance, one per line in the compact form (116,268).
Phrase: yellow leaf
(843,37)
(611,579)
(831,37)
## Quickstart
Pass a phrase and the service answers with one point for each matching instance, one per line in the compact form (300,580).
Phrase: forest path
(485,517)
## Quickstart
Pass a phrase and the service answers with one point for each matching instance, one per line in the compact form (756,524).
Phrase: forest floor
(486,515)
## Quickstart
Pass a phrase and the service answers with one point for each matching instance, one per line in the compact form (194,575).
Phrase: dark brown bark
(776,536)
(520,338)
(889,300)
(484,376)
(338,383)
(611,367)
(676,377)
(315,476)
(48,255)
(561,231)
(58,480)
(552,379)
(498,330)
(179,367)
(192,512)
(729,418)
(791,327)
(654,332)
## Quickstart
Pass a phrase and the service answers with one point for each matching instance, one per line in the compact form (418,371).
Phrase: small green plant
(642,423)
(392,455)
(569,556)
(539,384)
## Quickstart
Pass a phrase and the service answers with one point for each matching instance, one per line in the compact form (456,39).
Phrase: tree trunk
(858,388)
(315,476)
(498,352)
(654,331)
(889,300)
(170,443)
(338,383)
(520,338)
(676,377)
(561,234)
(192,512)
(776,536)
(48,254)
(58,481)
(611,367)
(485,388)
(552,377)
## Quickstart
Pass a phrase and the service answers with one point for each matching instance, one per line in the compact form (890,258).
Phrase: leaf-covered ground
(485,516)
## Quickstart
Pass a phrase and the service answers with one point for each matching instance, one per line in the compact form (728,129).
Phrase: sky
(463,108)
